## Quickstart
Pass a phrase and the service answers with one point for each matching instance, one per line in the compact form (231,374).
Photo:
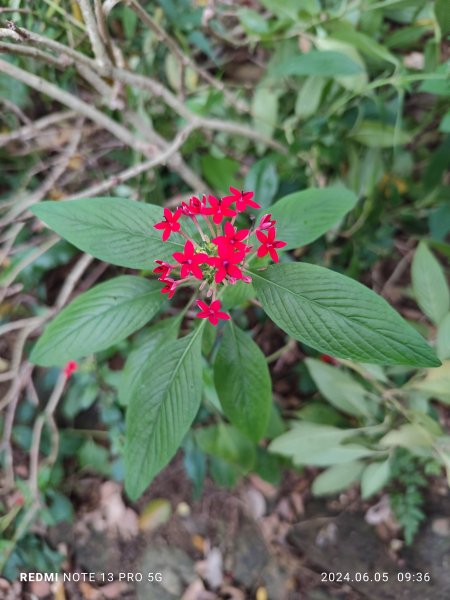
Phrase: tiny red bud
(70,368)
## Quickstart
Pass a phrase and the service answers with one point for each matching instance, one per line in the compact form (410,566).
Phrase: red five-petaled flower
(164,269)
(170,288)
(211,312)
(70,368)
(190,260)
(195,206)
(226,263)
(266,223)
(242,199)
(170,223)
(269,244)
(232,239)
(219,209)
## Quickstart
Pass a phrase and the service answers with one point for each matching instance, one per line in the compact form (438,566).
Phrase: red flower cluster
(221,254)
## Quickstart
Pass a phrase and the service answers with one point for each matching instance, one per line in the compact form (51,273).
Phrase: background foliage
(273,96)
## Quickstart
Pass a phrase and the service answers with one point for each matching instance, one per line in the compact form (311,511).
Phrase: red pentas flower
(269,244)
(232,238)
(226,264)
(164,269)
(170,287)
(195,206)
(211,312)
(242,199)
(219,209)
(266,223)
(170,223)
(190,260)
(219,253)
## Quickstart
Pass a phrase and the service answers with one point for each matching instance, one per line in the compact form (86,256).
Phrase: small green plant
(324,309)
(408,484)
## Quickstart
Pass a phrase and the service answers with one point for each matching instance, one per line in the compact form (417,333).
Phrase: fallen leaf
(156,513)
(261,594)
(198,542)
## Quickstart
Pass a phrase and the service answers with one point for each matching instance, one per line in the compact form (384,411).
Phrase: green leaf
(355,82)
(308,99)
(304,216)
(289,9)
(445,123)
(320,445)
(345,32)
(436,383)
(163,331)
(237,294)
(264,110)
(442,12)
(97,319)
(227,443)
(338,478)
(219,172)
(253,22)
(340,389)
(116,230)
(408,435)
(243,382)
(375,134)
(94,457)
(262,178)
(443,338)
(339,316)
(163,407)
(375,477)
(316,62)
(429,284)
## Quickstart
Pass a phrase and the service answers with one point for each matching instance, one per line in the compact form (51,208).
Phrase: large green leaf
(116,230)
(442,12)
(304,216)
(97,319)
(243,382)
(162,331)
(317,62)
(339,316)
(163,407)
(429,284)
(340,389)
(376,134)
(320,445)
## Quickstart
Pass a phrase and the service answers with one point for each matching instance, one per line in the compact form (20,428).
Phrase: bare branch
(33,129)
(156,88)
(41,85)
(49,182)
(61,61)
(162,158)
(94,35)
